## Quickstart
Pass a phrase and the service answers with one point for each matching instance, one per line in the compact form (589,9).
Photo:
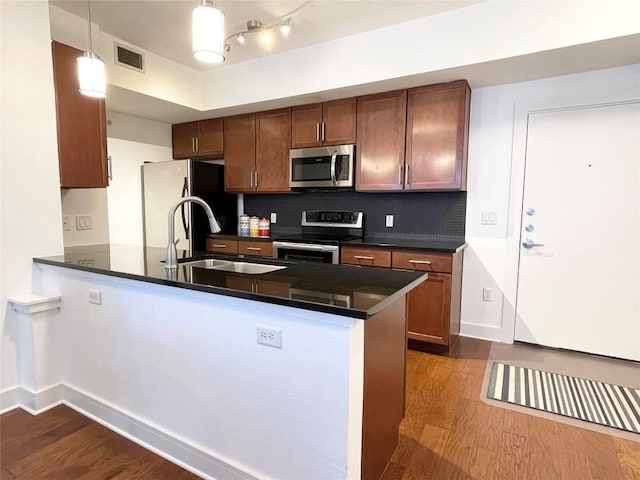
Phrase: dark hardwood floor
(448,433)
(61,444)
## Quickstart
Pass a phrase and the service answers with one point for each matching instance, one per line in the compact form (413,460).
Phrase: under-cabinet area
(405,140)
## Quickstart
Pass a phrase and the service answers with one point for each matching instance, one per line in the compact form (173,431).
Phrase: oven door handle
(306,246)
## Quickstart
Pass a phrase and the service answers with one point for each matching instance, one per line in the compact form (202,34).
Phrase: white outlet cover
(389,221)
(274,217)
(95,296)
(270,336)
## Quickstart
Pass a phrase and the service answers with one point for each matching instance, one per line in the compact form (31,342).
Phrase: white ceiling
(164,26)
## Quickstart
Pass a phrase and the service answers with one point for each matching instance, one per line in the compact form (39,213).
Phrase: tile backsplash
(417,216)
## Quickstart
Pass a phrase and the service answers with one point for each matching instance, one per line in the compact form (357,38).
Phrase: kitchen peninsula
(179,357)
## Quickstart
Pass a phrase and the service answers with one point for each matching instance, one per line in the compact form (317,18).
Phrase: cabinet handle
(110,167)
(317,132)
(363,257)
(406,175)
(323,139)
(256,179)
(421,262)
(400,168)
(193,144)
(251,178)
(197,147)
(219,245)
(255,249)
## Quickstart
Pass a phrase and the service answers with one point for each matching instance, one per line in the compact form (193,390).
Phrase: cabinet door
(183,139)
(371,257)
(239,152)
(305,125)
(82,125)
(210,139)
(273,140)
(381,137)
(429,309)
(339,119)
(437,136)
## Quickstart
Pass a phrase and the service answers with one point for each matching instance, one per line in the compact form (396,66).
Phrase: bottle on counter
(254,226)
(264,227)
(244,225)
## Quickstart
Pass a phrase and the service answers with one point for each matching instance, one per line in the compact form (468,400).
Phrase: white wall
(30,213)
(497,114)
(187,364)
(85,201)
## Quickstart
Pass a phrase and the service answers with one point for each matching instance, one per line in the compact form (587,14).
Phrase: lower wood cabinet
(433,308)
(254,248)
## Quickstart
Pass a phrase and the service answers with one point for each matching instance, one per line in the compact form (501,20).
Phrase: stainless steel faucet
(172,253)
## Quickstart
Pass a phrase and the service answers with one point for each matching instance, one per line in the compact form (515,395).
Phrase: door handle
(529,244)
(333,167)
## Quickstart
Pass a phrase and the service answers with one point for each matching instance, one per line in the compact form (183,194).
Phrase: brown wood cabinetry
(239,152)
(273,140)
(381,141)
(433,308)
(222,246)
(437,136)
(256,248)
(82,125)
(198,139)
(371,257)
(256,152)
(329,123)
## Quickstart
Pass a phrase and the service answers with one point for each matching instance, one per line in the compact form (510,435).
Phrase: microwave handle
(333,166)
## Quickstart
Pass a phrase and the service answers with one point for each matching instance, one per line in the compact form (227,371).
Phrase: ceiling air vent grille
(129,58)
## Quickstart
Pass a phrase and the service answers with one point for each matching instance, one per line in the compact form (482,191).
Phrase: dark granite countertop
(357,292)
(449,246)
(223,236)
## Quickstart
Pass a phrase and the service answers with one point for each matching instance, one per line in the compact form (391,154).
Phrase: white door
(579,275)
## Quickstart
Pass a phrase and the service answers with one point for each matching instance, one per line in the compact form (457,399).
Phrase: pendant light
(208,33)
(91,70)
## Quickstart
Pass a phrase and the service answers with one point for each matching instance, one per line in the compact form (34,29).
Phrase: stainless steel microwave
(328,167)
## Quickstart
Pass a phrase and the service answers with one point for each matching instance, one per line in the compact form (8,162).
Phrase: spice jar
(254,226)
(264,227)
(244,225)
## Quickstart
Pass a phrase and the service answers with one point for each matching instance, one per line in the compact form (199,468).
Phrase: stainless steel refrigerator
(163,183)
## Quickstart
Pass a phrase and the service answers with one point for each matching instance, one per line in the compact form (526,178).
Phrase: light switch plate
(66,223)
(489,218)
(273,217)
(84,222)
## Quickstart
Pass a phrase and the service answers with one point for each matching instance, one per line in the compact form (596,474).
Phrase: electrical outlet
(66,225)
(273,217)
(95,296)
(269,336)
(389,221)
(487,294)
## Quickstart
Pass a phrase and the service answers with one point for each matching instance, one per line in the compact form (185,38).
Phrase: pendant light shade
(91,70)
(91,73)
(208,33)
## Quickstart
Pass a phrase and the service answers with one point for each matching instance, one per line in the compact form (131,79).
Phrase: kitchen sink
(237,267)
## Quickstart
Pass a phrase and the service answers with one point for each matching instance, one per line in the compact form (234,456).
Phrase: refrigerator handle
(185,192)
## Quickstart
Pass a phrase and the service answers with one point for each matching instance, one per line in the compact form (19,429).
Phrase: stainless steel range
(322,233)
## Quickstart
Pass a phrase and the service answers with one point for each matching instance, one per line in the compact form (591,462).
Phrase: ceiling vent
(129,58)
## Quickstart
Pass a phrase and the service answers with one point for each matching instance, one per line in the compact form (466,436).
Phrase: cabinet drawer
(222,246)
(428,262)
(371,257)
(258,249)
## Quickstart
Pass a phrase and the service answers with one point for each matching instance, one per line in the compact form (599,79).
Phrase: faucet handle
(176,242)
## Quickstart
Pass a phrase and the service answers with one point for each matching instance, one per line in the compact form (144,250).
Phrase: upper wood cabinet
(329,123)
(381,141)
(256,152)
(273,138)
(198,139)
(82,125)
(437,136)
(239,152)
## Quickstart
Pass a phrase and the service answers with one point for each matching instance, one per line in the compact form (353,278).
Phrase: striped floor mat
(588,400)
